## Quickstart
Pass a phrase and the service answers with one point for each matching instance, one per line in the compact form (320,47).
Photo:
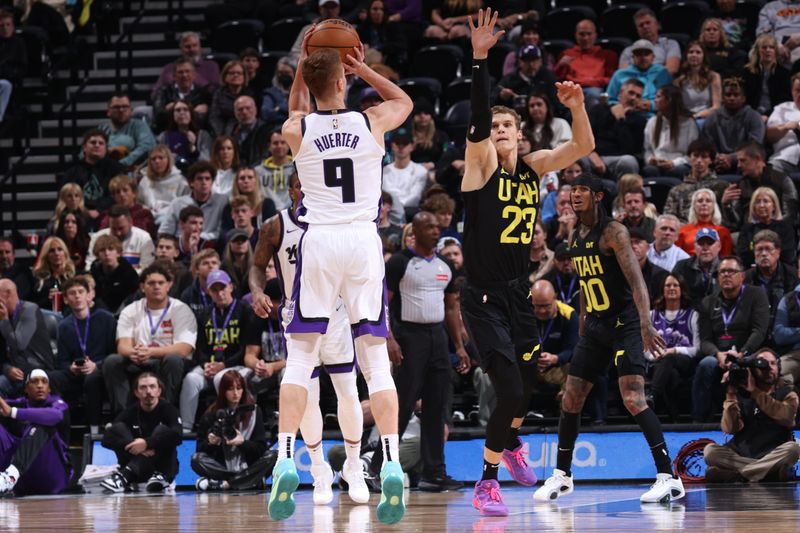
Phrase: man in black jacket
(732,324)
(760,414)
(250,132)
(94,172)
(11,269)
(145,437)
(531,75)
(618,132)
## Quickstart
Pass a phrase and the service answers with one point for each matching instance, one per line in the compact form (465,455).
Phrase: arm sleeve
(731,417)
(759,320)
(789,199)
(756,127)
(785,335)
(395,268)
(44,416)
(481,119)
(144,143)
(613,89)
(783,412)
(167,434)
(708,345)
(256,445)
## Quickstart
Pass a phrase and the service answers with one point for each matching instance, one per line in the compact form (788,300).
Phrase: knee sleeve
(303,356)
(351,418)
(311,423)
(373,358)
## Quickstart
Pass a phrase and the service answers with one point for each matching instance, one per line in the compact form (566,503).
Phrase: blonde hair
(255,198)
(200,256)
(770,193)
(41,269)
(61,205)
(754,64)
(726,43)
(716,218)
(229,264)
(149,172)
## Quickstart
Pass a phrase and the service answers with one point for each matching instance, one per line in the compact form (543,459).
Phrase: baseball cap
(709,233)
(643,44)
(218,276)
(529,51)
(562,250)
(237,233)
(401,136)
(323,2)
(37,373)
(446,241)
(422,105)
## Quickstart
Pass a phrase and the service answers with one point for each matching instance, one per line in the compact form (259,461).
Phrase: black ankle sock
(513,440)
(568,424)
(651,427)
(489,471)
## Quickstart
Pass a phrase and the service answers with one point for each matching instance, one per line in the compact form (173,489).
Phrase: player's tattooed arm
(616,238)
(268,240)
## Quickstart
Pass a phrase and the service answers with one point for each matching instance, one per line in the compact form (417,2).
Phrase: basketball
(335,34)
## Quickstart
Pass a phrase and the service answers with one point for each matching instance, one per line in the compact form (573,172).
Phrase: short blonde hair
(770,193)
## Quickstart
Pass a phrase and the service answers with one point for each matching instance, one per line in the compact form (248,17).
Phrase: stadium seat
(269,60)
(441,61)
(655,5)
(222,57)
(236,35)
(617,44)
(497,56)
(554,47)
(36,42)
(559,23)
(597,5)
(656,189)
(459,89)
(427,88)
(684,16)
(282,34)
(617,21)
(683,39)
(456,120)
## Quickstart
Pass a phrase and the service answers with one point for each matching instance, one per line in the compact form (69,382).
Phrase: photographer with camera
(231,441)
(731,323)
(759,411)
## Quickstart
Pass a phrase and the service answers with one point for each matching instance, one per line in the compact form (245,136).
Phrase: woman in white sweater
(161,182)
(668,134)
(545,130)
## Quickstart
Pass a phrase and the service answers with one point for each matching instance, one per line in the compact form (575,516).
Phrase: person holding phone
(85,338)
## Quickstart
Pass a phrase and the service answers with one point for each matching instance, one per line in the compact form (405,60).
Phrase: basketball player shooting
(614,328)
(501,203)
(338,155)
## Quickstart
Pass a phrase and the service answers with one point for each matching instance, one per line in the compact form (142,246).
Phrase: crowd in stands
(144,265)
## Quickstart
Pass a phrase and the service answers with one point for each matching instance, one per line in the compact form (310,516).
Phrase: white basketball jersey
(340,168)
(286,256)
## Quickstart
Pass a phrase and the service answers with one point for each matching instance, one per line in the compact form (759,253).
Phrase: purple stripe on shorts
(376,328)
(299,323)
(315,372)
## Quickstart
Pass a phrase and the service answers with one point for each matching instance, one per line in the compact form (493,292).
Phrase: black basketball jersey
(499,220)
(605,290)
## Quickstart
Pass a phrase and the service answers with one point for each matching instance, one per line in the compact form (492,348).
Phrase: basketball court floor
(769,508)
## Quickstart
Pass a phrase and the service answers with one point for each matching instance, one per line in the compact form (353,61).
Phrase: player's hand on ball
(653,342)
(304,45)
(355,62)
(570,94)
(261,305)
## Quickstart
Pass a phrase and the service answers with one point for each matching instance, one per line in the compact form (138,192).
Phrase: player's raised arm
(582,143)
(616,237)
(299,100)
(396,105)
(480,156)
(268,241)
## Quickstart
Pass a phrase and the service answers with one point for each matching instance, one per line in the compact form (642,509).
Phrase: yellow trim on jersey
(617,355)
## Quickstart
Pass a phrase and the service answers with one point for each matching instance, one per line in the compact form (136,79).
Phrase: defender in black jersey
(501,200)
(615,329)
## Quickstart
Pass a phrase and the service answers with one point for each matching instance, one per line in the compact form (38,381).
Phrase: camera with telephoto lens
(224,424)
(740,368)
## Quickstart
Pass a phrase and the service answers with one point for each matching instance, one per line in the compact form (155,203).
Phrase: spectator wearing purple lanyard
(219,343)
(732,324)
(85,339)
(155,333)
